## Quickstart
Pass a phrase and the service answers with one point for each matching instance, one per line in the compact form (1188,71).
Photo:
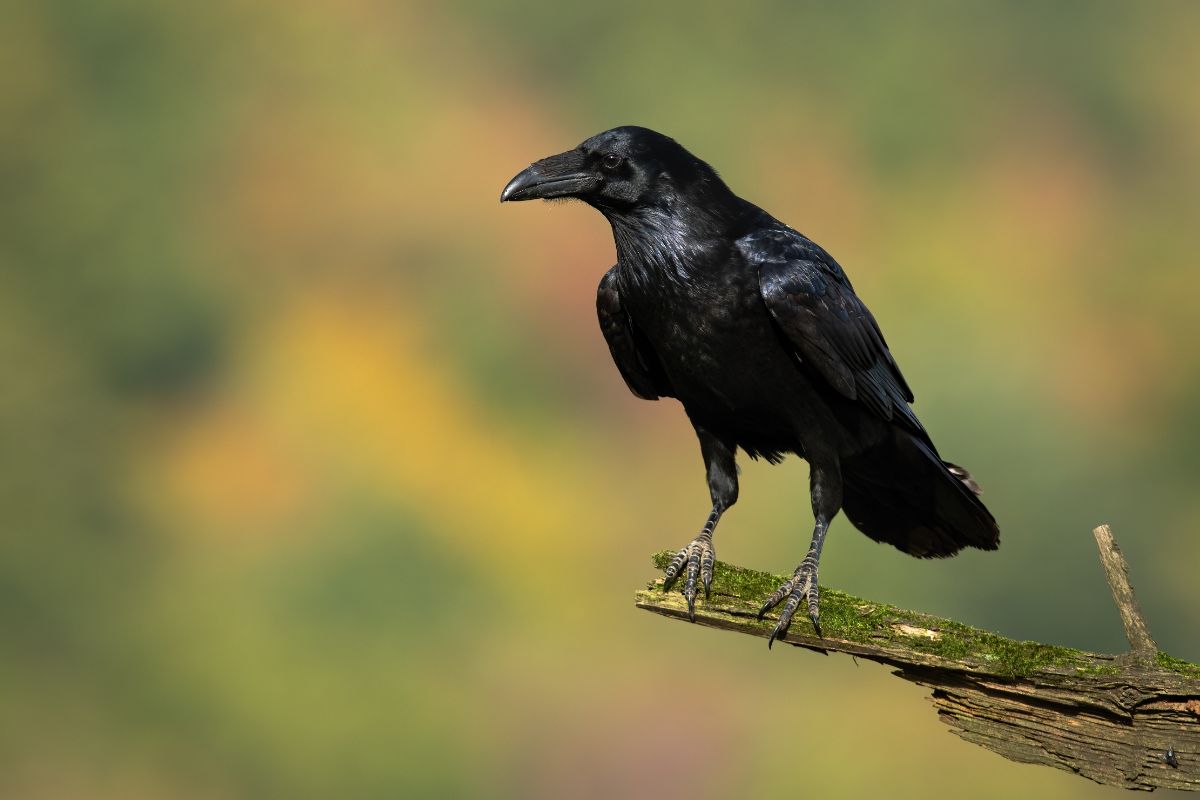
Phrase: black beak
(562,175)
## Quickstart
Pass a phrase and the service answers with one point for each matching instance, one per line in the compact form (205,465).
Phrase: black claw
(779,632)
(816,625)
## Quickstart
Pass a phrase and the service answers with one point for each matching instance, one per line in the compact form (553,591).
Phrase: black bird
(757,331)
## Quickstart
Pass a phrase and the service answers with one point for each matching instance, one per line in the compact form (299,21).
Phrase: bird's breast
(717,343)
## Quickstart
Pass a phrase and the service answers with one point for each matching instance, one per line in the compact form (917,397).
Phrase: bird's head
(616,171)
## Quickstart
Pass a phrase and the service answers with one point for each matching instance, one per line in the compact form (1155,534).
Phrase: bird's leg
(802,585)
(826,488)
(698,556)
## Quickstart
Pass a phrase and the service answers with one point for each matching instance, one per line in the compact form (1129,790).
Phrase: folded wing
(831,331)
(632,353)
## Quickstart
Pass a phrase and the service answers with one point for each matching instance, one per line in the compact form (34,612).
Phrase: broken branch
(1132,722)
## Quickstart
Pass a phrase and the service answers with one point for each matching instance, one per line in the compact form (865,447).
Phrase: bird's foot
(698,557)
(803,584)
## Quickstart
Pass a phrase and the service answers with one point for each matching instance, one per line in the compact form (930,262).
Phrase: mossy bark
(1110,718)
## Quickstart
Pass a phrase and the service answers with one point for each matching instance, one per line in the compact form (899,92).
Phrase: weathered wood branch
(1129,720)
(1117,573)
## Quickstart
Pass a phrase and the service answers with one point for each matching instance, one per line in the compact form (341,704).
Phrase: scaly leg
(698,556)
(826,489)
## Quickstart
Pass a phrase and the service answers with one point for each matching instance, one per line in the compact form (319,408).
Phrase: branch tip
(1116,570)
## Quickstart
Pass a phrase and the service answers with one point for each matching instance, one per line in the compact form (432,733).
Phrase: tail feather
(903,494)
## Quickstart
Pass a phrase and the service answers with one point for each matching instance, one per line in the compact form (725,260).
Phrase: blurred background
(316,479)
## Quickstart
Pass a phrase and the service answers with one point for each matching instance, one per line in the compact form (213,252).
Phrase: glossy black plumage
(757,331)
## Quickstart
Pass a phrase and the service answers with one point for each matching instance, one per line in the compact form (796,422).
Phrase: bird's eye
(611,161)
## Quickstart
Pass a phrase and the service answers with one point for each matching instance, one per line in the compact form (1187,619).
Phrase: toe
(693,566)
(689,585)
(672,571)
(785,619)
(814,607)
(706,569)
(774,599)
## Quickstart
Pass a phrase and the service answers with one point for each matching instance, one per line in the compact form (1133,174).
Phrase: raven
(756,330)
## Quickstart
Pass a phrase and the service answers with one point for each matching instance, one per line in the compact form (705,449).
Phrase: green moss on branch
(1177,665)
(739,592)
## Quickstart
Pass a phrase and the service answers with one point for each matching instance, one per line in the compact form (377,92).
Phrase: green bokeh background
(316,480)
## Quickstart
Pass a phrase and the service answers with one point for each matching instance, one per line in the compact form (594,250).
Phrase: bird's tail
(902,493)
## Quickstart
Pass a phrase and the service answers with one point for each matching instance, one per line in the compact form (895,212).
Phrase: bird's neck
(674,242)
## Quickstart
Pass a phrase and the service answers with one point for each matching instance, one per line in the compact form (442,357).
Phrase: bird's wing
(812,302)
(632,353)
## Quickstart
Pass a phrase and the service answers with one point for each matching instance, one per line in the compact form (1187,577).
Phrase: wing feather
(631,352)
(811,300)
